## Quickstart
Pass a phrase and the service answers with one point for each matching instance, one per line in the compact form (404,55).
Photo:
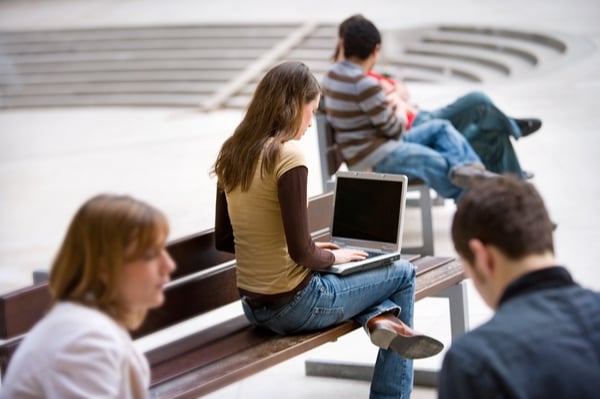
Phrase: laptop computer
(368,214)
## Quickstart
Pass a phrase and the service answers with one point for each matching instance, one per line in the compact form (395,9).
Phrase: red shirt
(410,116)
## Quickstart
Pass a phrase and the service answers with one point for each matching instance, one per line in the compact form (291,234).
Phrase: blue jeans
(331,299)
(430,152)
(485,127)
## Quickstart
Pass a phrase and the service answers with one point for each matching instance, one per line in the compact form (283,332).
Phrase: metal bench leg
(459,324)
(40,276)
(458,306)
(425,203)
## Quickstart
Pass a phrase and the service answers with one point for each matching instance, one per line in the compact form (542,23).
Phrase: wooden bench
(331,160)
(212,356)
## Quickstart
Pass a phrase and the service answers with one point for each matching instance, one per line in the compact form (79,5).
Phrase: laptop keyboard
(373,253)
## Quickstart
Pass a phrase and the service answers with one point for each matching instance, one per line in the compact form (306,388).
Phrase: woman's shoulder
(72,321)
(291,156)
(68,331)
(291,149)
(79,340)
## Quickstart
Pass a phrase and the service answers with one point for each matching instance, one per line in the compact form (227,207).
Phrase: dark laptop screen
(367,209)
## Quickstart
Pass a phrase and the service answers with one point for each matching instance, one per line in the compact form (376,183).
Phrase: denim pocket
(320,318)
(307,311)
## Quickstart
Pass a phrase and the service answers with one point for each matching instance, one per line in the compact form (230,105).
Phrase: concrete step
(25,68)
(151,32)
(216,66)
(532,53)
(91,88)
(522,36)
(104,99)
(168,75)
(461,70)
(145,54)
(505,52)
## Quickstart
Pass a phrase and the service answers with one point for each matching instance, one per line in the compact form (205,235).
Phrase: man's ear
(483,260)
(340,50)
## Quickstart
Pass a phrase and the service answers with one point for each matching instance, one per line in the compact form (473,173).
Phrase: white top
(76,352)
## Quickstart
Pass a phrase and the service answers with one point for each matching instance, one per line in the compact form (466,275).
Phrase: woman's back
(263,263)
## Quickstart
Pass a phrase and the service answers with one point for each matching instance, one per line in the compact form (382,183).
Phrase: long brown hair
(274,116)
(106,232)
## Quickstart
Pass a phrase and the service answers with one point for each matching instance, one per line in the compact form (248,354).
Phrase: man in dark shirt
(544,338)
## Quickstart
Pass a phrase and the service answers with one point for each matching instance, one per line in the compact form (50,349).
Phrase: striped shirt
(366,127)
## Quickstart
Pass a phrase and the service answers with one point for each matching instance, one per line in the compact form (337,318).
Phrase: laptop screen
(367,209)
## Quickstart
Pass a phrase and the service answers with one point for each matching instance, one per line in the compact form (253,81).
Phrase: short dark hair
(507,213)
(360,38)
(342,32)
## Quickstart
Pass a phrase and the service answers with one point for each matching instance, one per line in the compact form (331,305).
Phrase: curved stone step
(522,35)
(527,53)
(461,70)
(440,54)
(512,54)
(507,53)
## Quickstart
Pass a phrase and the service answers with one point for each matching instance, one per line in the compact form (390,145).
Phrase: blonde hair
(105,233)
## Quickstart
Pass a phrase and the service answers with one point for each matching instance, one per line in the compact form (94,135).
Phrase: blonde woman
(111,268)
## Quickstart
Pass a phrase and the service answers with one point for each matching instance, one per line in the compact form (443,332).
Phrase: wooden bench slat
(216,290)
(196,252)
(219,342)
(22,308)
(245,363)
(446,276)
(427,263)
(173,349)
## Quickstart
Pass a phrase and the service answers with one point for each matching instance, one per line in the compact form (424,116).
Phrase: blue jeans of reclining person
(485,127)
(331,299)
(430,152)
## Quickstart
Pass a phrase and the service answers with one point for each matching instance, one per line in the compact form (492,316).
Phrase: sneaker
(467,176)
(528,125)
(527,175)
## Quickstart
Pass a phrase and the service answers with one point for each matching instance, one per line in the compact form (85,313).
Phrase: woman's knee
(405,271)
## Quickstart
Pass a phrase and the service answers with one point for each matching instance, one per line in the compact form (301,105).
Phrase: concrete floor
(51,160)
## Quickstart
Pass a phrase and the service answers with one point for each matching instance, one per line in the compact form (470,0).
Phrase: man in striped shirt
(486,127)
(370,131)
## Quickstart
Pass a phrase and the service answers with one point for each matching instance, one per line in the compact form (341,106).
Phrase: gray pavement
(53,159)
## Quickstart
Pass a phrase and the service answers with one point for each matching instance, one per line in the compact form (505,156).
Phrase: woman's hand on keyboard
(348,255)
